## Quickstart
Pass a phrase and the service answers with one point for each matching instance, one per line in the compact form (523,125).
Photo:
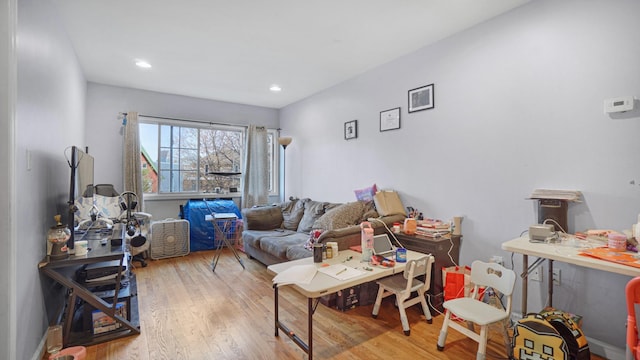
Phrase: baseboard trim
(41,349)
(605,350)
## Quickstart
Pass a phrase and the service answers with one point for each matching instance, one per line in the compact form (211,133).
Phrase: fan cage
(169,238)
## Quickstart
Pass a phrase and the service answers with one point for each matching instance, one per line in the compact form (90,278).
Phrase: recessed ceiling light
(275,88)
(143,64)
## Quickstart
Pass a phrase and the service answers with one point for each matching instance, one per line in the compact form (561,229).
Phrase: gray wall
(50,110)
(7,121)
(104,134)
(518,106)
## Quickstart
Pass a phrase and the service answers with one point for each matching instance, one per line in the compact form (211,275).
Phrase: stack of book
(432,228)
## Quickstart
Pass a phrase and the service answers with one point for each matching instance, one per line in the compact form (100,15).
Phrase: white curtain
(255,189)
(132,167)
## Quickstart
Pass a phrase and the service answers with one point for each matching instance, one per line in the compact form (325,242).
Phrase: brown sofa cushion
(262,218)
(312,211)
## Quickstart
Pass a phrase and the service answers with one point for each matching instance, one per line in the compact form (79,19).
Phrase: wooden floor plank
(188,311)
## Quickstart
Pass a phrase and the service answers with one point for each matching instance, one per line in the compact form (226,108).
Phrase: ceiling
(234,50)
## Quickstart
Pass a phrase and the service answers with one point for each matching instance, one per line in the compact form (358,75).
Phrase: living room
(518,106)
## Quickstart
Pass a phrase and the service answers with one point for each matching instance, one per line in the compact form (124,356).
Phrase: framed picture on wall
(421,98)
(351,129)
(390,119)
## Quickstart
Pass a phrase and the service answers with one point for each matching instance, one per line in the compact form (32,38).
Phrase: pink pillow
(366,194)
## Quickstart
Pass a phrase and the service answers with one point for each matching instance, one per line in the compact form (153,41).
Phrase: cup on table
(317,253)
(81,247)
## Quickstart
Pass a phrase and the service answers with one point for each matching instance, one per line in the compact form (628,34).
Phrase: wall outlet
(556,277)
(536,274)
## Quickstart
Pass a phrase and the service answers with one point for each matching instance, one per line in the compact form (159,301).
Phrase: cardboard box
(368,293)
(348,298)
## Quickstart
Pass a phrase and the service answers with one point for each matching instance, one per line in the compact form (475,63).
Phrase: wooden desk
(64,272)
(558,252)
(446,251)
(323,284)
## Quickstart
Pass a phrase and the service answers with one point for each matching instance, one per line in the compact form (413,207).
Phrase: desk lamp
(58,236)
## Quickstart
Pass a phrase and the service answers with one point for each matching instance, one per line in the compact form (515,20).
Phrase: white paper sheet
(298,274)
(340,271)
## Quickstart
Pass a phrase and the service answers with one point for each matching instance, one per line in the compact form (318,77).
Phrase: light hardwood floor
(189,312)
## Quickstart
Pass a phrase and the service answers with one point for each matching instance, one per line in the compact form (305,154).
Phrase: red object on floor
(632,292)
(78,353)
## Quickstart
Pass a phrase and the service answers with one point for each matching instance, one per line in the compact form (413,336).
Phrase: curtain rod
(186,120)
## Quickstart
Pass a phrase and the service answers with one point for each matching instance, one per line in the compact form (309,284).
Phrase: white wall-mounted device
(619,104)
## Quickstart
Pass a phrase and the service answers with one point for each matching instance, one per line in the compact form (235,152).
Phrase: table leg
(293,336)
(71,305)
(525,280)
(310,309)
(275,297)
(550,282)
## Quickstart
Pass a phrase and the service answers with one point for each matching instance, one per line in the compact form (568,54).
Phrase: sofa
(279,232)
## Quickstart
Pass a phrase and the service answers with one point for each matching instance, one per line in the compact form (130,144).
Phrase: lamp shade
(285,141)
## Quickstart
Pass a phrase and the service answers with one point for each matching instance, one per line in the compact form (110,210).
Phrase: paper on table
(340,272)
(298,274)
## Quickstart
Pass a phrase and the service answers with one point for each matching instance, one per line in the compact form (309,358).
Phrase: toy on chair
(632,292)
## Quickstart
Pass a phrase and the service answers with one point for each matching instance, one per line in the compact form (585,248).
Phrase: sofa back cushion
(312,211)
(262,218)
(292,212)
(341,216)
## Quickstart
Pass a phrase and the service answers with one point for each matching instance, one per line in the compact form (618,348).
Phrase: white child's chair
(402,285)
(473,310)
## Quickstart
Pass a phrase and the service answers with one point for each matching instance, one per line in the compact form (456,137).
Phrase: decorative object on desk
(284,141)
(314,235)
(351,129)
(421,98)
(81,247)
(617,242)
(390,119)
(457,228)
(366,240)
(54,339)
(410,226)
(58,236)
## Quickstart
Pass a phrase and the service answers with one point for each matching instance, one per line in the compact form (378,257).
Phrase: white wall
(518,106)
(104,128)
(8,91)
(50,109)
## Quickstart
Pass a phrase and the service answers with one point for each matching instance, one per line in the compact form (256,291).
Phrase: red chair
(632,291)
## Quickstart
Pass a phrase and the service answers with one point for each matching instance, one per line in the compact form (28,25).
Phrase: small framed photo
(390,119)
(421,98)
(351,129)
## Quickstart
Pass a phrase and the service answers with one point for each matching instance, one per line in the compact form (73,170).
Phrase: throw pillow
(312,211)
(292,212)
(367,193)
(341,217)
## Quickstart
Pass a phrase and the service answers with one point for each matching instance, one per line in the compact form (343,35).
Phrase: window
(193,158)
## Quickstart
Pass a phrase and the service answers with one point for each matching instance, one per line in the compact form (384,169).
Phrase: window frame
(274,158)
